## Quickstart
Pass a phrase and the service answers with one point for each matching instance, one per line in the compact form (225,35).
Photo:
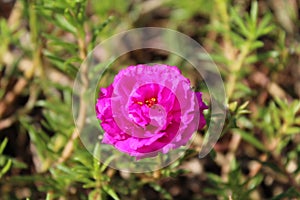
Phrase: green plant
(43,44)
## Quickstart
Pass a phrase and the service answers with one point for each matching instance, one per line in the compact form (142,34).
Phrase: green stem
(37,53)
(236,67)
(82,105)
(221,6)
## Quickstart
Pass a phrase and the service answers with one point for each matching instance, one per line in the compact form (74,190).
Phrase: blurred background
(255,45)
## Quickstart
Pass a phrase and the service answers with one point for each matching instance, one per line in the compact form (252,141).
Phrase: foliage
(42,46)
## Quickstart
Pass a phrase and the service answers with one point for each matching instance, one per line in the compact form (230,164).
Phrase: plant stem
(235,68)
(34,31)
(67,151)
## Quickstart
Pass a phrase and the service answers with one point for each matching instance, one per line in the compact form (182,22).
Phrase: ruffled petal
(149,109)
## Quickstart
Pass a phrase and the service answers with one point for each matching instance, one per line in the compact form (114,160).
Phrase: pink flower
(149,109)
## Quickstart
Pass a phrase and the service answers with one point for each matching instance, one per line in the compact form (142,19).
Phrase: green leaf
(254,12)
(240,23)
(292,130)
(97,154)
(110,192)
(282,103)
(256,45)
(64,24)
(166,195)
(244,105)
(19,164)
(38,137)
(275,115)
(213,154)
(295,107)
(262,56)
(55,60)
(214,178)
(96,31)
(3,145)
(6,167)
(106,162)
(251,139)
(91,184)
(57,41)
(218,192)
(255,181)
(264,26)
(65,169)
(49,196)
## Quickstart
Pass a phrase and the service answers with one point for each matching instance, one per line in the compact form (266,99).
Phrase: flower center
(149,102)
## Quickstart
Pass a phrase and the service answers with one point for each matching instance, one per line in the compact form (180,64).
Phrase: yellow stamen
(149,102)
(140,103)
